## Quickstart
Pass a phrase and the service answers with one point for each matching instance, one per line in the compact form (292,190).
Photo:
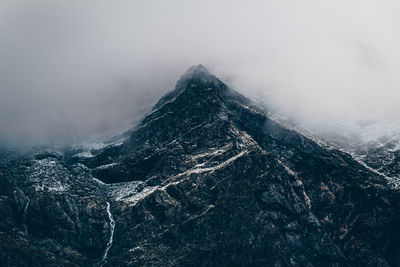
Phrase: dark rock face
(206,179)
(50,217)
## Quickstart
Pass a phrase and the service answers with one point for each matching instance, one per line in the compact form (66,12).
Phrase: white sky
(71,69)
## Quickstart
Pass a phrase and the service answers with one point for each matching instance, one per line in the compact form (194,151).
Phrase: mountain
(206,179)
(374,143)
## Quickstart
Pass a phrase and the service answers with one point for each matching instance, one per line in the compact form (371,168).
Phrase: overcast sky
(74,69)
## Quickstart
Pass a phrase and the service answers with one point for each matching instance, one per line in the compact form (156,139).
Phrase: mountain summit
(206,179)
(196,79)
(196,71)
(220,158)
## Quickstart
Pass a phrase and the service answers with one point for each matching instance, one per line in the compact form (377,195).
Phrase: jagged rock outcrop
(206,179)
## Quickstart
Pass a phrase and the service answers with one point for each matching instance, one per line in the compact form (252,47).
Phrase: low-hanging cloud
(70,70)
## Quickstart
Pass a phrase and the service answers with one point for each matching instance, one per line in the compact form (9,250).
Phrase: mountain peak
(199,81)
(196,71)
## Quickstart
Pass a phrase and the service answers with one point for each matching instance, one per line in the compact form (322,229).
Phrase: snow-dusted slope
(374,143)
(206,179)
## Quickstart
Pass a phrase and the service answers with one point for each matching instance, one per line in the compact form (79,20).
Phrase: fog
(75,70)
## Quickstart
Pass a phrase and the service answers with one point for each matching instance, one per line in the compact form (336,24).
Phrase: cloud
(74,69)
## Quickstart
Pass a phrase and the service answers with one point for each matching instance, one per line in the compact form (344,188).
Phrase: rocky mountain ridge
(207,178)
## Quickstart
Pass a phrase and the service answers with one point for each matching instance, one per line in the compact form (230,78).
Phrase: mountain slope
(374,143)
(207,178)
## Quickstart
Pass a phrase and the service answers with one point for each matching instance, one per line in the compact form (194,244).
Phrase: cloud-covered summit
(71,70)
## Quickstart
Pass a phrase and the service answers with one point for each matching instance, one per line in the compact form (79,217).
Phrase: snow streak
(25,215)
(110,241)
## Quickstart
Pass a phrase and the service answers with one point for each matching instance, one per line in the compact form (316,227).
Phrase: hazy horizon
(73,70)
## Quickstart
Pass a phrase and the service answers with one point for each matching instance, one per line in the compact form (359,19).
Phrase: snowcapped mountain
(206,179)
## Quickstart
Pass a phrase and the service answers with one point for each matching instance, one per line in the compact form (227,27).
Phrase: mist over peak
(73,70)
(196,70)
